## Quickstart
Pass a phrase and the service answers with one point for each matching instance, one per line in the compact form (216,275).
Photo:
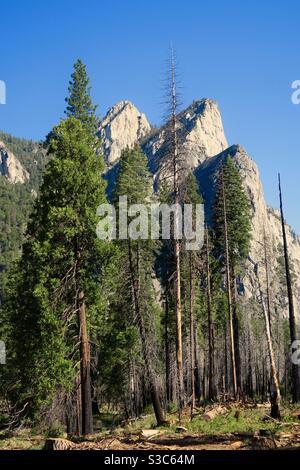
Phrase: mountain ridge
(204,146)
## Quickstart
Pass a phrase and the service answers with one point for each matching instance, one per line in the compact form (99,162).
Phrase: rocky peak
(200,124)
(10,167)
(122,127)
(201,130)
(203,123)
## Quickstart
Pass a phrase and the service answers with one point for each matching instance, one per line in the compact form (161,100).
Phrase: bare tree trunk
(167,351)
(85,369)
(267,281)
(177,278)
(78,406)
(192,357)
(275,391)
(225,359)
(250,368)
(236,333)
(292,320)
(197,364)
(229,299)
(211,352)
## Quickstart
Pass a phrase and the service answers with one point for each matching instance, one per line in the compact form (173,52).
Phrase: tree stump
(212,414)
(58,444)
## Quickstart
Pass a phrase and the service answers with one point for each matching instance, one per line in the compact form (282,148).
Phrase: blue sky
(243,54)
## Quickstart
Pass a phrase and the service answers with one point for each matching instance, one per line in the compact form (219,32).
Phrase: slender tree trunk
(167,351)
(225,358)
(85,369)
(135,281)
(192,357)
(177,278)
(211,372)
(78,407)
(250,368)
(292,320)
(229,299)
(197,364)
(275,391)
(236,333)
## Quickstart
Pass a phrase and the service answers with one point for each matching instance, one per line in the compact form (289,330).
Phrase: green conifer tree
(79,101)
(135,182)
(232,227)
(59,273)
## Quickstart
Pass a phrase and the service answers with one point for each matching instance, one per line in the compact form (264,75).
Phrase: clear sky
(244,54)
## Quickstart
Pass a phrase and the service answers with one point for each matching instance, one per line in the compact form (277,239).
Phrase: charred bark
(292,320)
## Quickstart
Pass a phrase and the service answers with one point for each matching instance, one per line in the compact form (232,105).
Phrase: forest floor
(238,427)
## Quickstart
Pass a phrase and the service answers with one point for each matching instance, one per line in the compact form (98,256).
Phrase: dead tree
(292,320)
(169,171)
(85,368)
(275,391)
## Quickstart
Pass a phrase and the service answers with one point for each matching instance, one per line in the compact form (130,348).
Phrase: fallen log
(214,412)
(149,433)
(58,444)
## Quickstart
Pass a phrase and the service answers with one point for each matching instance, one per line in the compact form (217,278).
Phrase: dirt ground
(245,441)
(232,427)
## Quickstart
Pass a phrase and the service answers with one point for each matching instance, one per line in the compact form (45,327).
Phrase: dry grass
(250,428)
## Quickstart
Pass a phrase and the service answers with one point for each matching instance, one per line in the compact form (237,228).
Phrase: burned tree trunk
(292,320)
(211,353)
(85,369)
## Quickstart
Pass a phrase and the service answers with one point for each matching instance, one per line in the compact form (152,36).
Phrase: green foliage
(17,200)
(121,341)
(79,101)
(249,421)
(238,215)
(61,255)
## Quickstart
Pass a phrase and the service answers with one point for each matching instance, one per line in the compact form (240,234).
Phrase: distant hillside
(17,199)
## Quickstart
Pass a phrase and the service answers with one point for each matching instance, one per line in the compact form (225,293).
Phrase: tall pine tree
(232,227)
(135,182)
(57,287)
(79,101)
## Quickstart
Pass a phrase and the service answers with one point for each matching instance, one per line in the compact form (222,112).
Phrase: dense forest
(17,199)
(133,326)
